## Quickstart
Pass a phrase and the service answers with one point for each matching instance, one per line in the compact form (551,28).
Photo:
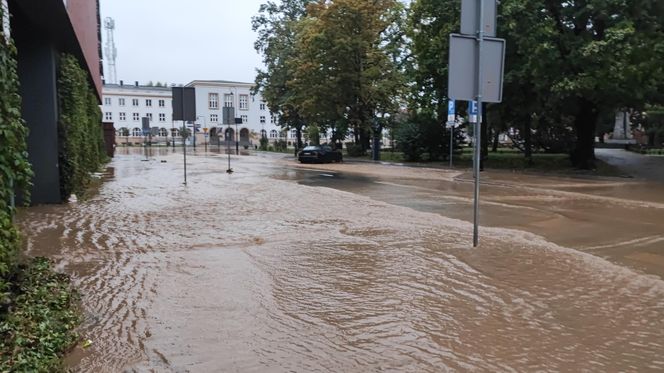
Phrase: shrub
(355,150)
(15,170)
(79,128)
(264,143)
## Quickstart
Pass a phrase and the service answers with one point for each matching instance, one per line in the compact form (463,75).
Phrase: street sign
(228,115)
(451,111)
(469,17)
(184,103)
(463,68)
(145,121)
(472,111)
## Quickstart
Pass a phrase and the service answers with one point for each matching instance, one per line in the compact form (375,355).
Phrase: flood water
(357,268)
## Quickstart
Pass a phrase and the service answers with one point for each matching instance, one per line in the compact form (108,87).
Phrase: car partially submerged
(319,154)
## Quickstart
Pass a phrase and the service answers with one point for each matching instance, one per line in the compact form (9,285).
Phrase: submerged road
(357,268)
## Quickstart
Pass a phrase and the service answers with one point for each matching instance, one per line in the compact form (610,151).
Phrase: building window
(108,115)
(214,118)
(244,118)
(263,134)
(149,115)
(293,134)
(136,117)
(228,100)
(136,132)
(175,132)
(162,117)
(262,105)
(134,102)
(107,101)
(121,101)
(272,119)
(163,132)
(273,134)
(262,119)
(123,117)
(213,100)
(148,102)
(244,102)
(162,103)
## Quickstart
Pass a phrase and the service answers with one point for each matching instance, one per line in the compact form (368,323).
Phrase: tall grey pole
(184,146)
(478,125)
(451,143)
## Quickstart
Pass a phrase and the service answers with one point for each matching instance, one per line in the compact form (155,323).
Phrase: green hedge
(79,128)
(15,171)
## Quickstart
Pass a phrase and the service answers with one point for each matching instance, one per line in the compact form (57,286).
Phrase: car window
(311,148)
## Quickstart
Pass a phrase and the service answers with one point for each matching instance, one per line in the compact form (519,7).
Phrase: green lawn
(511,159)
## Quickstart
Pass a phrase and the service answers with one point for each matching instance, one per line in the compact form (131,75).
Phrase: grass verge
(37,327)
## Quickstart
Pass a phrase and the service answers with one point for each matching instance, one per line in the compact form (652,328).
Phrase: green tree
(587,58)
(345,71)
(275,25)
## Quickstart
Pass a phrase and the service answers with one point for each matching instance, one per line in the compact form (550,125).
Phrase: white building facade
(250,109)
(126,105)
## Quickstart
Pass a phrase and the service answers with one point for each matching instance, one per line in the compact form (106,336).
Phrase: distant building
(125,106)
(212,95)
(42,30)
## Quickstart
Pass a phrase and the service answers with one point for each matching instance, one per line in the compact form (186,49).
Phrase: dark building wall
(37,61)
(42,30)
(84,16)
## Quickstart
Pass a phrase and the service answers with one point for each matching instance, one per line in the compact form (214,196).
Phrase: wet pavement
(348,267)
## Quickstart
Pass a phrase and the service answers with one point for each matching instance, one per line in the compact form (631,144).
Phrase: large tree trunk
(583,156)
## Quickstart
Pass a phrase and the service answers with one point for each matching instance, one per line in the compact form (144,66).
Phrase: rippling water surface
(254,272)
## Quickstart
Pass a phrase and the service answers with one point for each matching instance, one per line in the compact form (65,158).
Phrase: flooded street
(357,267)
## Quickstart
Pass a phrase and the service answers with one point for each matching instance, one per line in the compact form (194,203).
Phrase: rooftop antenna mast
(110,50)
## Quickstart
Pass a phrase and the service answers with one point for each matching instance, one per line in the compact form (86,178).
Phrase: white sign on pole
(469,19)
(462,76)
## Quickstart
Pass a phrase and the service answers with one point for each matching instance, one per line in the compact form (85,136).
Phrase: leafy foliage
(79,128)
(39,327)
(15,170)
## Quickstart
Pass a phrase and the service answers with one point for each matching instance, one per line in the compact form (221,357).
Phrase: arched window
(123,131)
(263,133)
(163,132)
(136,132)
(273,134)
(175,132)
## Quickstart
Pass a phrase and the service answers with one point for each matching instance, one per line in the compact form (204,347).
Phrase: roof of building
(139,87)
(217,82)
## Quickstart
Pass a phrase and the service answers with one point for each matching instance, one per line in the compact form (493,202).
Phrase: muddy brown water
(357,268)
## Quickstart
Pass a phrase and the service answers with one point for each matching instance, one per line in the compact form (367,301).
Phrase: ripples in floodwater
(250,273)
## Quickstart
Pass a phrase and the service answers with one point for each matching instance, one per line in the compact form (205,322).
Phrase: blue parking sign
(451,111)
(472,111)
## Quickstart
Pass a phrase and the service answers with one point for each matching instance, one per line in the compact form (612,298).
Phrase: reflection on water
(250,272)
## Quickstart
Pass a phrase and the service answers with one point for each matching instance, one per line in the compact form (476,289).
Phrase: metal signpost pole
(451,121)
(478,125)
(184,139)
(228,150)
(451,144)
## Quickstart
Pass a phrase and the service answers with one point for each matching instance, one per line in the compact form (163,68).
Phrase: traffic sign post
(451,121)
(478,60)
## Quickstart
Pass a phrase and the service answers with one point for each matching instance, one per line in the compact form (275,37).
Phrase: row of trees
(342,64)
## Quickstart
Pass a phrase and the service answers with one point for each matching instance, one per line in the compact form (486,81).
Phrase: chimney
(121,83)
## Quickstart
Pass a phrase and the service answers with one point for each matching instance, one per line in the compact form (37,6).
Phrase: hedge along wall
(15,171)
(79,128)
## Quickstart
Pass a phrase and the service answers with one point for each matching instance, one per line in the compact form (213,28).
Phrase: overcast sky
(180,41)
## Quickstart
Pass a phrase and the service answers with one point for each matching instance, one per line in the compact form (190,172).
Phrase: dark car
(319,154)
